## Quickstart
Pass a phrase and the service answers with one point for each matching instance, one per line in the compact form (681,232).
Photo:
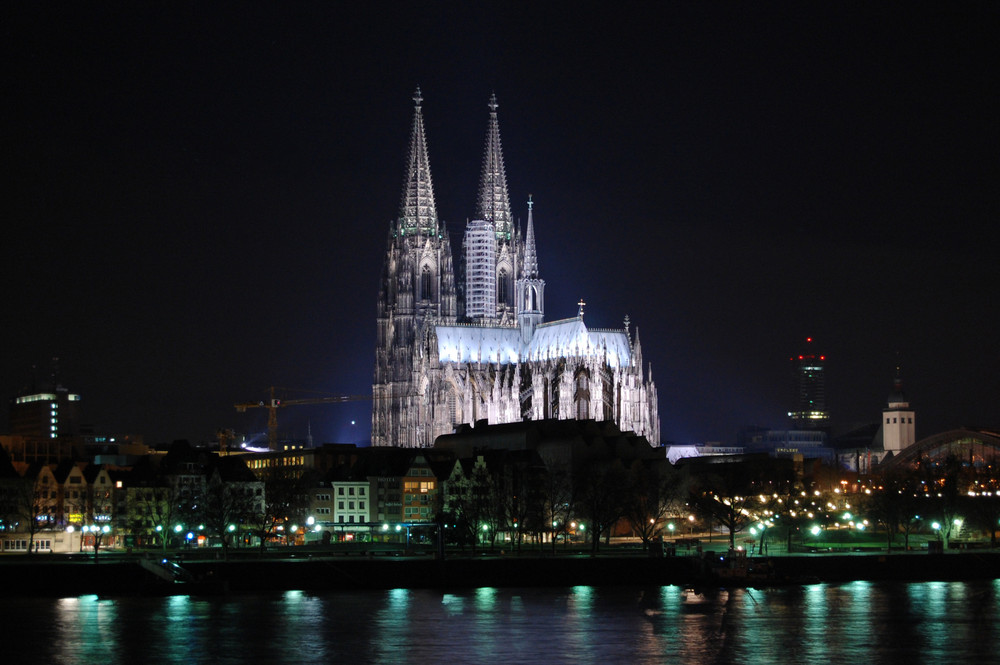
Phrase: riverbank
(124,576)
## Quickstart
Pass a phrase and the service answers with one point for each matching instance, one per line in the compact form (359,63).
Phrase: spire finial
(627,323)
(493,102)
(417,97)
(530,203)
(581,305)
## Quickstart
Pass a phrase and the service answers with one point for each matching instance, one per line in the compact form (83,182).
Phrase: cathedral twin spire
(494,202)
(418,212)
(492,279)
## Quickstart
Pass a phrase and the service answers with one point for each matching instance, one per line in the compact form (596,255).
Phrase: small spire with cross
(530,203)
(627,323)
(417,97)
(493,102)
(581,304)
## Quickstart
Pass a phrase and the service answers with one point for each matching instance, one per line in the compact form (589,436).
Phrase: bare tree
(26,507)
(556,499)
(983,506)
(474,502)
(152,512)
(600,490)
(227,505)
(893,505)
(285,499)
(730,493)
(654,490)
(948,482)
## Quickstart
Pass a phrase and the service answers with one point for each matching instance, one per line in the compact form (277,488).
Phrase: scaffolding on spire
(494,202)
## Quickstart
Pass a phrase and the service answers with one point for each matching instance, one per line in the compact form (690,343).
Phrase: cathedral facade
(462,346)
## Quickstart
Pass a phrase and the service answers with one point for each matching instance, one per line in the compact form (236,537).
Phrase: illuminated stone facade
(447,356)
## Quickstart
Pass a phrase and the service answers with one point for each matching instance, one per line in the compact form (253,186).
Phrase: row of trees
(769,497)
(533,501)
(232,512)
(948,496)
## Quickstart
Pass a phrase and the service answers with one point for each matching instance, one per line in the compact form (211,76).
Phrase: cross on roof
(581,304)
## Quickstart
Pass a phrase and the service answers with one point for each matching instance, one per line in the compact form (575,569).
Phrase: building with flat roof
(809,401)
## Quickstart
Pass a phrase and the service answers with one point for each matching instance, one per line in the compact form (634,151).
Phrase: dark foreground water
(860,622)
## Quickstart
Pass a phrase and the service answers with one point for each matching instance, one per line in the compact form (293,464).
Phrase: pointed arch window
(582,395)
(452,400)
(426,284)
(503,288)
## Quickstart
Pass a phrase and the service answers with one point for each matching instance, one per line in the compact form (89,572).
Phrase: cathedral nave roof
(559,339)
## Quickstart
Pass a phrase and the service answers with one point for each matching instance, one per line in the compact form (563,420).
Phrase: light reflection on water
(823,623)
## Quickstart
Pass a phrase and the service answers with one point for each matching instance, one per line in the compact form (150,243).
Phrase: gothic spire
(494,203)
(530,255)
(418,212)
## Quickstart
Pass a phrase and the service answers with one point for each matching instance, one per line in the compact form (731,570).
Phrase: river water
(859,622)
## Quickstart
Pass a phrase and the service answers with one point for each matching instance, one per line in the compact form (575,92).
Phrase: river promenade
(119,574)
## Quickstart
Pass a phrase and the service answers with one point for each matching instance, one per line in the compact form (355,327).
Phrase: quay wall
(36,576)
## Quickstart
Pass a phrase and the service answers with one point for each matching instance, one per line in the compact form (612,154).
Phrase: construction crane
(276,403)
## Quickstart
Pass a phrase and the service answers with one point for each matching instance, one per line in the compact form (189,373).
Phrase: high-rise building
(809,411)
(447,356)
(45,416)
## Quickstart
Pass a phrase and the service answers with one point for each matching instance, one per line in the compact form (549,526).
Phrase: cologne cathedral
(466,345)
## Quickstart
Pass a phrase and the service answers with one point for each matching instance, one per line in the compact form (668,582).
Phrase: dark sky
(198,197)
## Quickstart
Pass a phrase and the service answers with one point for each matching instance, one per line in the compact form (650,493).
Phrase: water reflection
(849,623)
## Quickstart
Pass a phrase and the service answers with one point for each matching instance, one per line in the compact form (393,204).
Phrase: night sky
(198,197)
